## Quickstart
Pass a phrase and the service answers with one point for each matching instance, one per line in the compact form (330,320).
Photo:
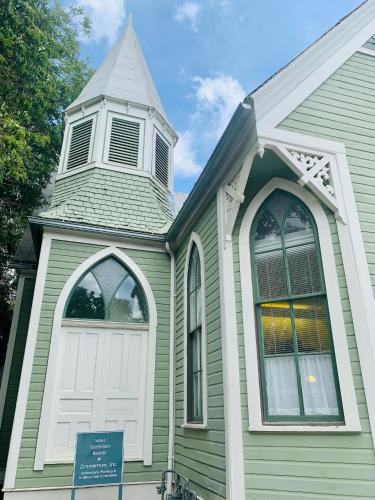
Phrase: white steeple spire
(123,75)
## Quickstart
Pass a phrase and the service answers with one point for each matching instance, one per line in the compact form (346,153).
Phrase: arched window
(194,339)
(108,291)
(296,354)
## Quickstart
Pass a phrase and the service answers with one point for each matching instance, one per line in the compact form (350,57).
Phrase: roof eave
(229,152)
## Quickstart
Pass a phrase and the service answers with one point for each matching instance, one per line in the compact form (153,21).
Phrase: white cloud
(188,12)
(185,162)
(106,18)
(217,98)
(214,100)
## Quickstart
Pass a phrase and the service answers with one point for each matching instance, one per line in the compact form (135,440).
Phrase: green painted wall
(64,258)
(200,454)
(15,369)
(343,109)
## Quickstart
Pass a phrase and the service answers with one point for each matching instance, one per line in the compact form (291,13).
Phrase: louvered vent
(161,160)
(80,145)
(124,142)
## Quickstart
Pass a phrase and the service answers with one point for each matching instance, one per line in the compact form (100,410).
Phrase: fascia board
(58,224)
(277,98)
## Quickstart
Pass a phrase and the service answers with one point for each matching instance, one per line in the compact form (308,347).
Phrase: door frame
(42,440)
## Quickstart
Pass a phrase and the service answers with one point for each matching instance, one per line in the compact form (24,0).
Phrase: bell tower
(117,138)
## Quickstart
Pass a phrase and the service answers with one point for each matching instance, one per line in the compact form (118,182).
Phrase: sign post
(99,460)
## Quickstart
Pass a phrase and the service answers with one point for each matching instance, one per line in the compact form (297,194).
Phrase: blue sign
(99,459)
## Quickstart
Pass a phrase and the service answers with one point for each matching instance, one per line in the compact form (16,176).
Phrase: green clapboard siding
(15,369)
(64,258)
(312,466)
(371,43)
(200,454)
(343,109)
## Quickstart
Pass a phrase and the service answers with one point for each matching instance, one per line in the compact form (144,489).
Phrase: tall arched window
(296,354)
(194,339)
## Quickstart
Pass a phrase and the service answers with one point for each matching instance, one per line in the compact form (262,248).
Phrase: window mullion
(293,323)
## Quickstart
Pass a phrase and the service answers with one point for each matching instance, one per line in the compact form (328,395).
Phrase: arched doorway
(101,371)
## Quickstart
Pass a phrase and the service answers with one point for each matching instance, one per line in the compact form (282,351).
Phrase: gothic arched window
(194,339)
(108,291)
(297,359)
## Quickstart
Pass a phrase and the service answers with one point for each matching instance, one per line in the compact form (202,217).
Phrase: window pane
(271,275)
(311,325)
(277,328)
(196,373)
(192,311)
(267,234)
(109,274)
(318,385)
(129,304)
(304,271)
(297,227)
(199,306)
(86,301)
(282,389)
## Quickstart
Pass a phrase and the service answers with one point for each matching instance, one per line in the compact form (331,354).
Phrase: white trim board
(277,98)
(351,416)
(19,417)
(195,239)
(235,473)
(41,447)
(10,346)
(75,236)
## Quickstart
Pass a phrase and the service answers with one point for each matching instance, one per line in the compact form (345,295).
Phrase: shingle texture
(111,199)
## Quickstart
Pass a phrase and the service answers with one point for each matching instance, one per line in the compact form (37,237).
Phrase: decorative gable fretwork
(315,169)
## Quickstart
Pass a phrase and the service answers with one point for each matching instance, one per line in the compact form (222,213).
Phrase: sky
(206,55)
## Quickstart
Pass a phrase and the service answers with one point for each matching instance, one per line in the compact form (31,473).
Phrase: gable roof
(287,88)
(275,99)
(123,75)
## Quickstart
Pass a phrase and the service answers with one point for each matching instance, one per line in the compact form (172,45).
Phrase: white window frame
(157,131)
(349,402)
(122,116)
(55,349)
(195,239)
(71,125)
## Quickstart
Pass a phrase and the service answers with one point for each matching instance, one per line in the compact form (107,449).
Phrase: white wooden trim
(195,239)
(102,239)
(235,474)
(41,448)
(10,346)
(23,392)
(277,98)
(368,52)
(351,416)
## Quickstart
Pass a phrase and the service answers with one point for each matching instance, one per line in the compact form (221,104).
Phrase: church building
(233,340)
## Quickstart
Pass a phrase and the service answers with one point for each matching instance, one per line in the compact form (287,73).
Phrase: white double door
(100,386)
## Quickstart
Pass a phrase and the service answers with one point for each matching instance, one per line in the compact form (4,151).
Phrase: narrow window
(298,368)
(80,144)
(161,160)
(194,340)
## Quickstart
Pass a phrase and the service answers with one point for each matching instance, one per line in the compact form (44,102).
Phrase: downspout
(171,366)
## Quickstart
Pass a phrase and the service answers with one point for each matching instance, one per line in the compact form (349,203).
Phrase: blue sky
(205,55)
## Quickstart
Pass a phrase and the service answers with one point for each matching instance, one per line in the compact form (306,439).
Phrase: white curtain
(282,390)
(318,385)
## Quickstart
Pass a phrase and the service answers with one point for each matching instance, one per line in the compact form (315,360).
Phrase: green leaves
(40,74)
